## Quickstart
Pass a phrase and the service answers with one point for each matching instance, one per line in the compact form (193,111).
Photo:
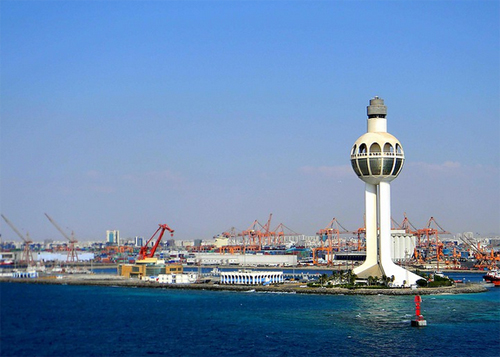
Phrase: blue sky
(208,115)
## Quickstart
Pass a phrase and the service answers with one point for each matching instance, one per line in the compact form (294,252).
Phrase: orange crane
(266,233)
(72,254)
(27,256)
(432,248)
(407,226)
(279,234)
(254,234)
(231,235)
(483,259)
(145,252)
(361,232)
(328,233)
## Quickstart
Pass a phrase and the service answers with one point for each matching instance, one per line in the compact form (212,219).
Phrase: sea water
(65,320)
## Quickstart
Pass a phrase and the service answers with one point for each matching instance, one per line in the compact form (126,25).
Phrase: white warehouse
(248,277)
(246,259)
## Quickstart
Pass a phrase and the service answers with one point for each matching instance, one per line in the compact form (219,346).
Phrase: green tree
(370,280)
(385,280)
(342,276)
(352,278)
(323,279)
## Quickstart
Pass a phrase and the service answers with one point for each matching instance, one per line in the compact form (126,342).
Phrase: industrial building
(258,259)
(156,268)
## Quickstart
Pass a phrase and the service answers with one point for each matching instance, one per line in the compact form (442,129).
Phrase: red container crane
(144,252)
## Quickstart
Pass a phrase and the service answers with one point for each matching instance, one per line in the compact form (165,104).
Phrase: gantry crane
(328,234)
(72,254)
(145,252)
(27,256)
(254,240)
(266,232)
(280,234)
(432,249)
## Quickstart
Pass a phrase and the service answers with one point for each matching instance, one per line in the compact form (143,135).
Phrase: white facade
(138,241)
(113,237)
(25,274)
(221,241)
(50,256)
(177,278)
(246,259)
(246,277)
(403,246)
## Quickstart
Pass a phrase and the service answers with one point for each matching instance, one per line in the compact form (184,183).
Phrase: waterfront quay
(292,288)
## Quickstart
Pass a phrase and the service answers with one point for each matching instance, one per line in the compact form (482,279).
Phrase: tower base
(402,277)
(364,272)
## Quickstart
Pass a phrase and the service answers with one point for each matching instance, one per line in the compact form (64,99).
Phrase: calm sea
(61,320)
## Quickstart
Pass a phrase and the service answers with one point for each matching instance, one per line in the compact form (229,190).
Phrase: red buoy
(419,319)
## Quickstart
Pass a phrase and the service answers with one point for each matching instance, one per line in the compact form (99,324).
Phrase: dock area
(292,288)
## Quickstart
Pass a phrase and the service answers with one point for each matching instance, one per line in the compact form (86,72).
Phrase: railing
(381,154)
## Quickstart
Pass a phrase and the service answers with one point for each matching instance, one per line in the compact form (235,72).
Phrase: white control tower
(377,158)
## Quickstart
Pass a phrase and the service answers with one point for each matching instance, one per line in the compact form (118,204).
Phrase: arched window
(362,149)
(375,149)
(388,148)
(353,152)
(399,149)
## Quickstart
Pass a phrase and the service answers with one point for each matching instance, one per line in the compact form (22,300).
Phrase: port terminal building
(248,277)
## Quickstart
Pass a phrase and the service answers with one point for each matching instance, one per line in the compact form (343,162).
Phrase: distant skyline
(208,115)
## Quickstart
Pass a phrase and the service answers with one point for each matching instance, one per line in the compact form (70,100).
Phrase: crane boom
(143,253)
(72,252)
(15,229)
(27,255)
(58,228)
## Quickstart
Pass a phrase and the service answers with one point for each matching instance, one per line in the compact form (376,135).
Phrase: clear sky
(209,115)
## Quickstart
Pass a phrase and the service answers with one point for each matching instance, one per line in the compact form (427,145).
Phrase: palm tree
(370,280)
(385,279)
(352,278)
(336,276)
(342,276)
(323,279)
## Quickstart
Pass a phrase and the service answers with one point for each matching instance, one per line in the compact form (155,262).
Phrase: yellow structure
(148,267)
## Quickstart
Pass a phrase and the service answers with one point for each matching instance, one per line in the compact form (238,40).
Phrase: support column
(401,275)
(370,266)
(385,222)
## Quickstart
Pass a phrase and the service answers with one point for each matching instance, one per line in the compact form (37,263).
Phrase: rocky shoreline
(113,280)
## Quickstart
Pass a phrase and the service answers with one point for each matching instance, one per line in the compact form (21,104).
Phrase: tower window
(375,149)
(375,165)
(388,164)
(354,164)
(397,167)
(363,167)
(362,149)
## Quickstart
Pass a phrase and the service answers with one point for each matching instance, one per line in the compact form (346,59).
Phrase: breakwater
(112,280)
